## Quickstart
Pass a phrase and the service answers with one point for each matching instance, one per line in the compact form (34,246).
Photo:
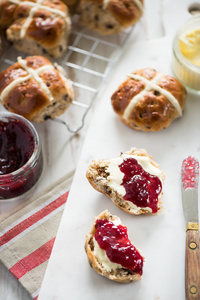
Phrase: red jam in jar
(16,145)
(114,240)
(141,188)
(21,160)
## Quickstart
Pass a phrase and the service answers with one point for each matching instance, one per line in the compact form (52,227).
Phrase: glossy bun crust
(7,10)
(109,17)
(44,30)
(154,110)
(44,94)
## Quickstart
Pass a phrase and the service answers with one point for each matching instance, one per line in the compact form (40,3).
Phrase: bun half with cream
(133,181)
(110,252)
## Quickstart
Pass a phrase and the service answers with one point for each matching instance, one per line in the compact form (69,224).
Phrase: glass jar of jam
(21,161)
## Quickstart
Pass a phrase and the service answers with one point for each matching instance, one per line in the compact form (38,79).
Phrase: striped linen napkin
(28,232)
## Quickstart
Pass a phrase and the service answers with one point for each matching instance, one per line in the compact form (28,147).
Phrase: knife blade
(190,178)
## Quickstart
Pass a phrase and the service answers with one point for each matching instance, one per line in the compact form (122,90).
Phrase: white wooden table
(161,19)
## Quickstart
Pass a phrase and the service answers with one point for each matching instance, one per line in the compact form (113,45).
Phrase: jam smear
(190,173)
(141,188)
(16,145)
(114,240)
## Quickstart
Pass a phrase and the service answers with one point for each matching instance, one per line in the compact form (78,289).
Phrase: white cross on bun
(149,100)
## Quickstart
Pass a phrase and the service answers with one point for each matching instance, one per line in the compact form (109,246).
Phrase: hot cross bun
(36,27)
(149,100)
(109,16)
(35,89)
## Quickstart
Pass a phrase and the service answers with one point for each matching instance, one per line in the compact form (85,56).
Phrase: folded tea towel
(28,232)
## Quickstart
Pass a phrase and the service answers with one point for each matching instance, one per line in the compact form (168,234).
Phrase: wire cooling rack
(88,61)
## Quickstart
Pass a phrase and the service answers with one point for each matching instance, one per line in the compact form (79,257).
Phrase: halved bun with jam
(110,252)
(133,181)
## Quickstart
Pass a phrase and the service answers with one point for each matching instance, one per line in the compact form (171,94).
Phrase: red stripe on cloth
(32,260)
(10,234)
(36,297)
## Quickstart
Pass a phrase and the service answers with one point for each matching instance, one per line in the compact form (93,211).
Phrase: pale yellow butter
(189,44)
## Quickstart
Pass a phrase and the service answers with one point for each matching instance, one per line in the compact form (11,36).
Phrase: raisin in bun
(37,27)
(107,177)
(149,100)
(109,16)
(35,88)
(101,263)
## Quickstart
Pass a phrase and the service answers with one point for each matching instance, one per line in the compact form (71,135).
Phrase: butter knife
(190,178)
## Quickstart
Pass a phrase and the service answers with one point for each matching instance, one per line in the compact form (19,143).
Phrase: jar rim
(36,151)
